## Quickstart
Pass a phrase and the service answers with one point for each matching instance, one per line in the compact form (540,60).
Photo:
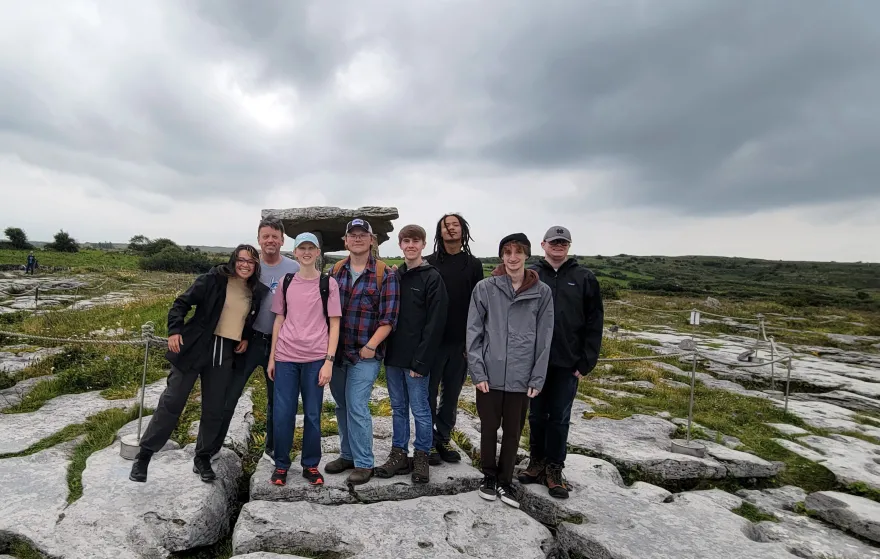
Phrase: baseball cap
(306,238)
(556,233)
(362,223)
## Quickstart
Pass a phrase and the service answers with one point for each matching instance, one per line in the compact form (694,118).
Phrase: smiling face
(271,240)
(245,263)
(307,253)
(556,250)
(450,229)
(358,241)
(513,257)
(412,247)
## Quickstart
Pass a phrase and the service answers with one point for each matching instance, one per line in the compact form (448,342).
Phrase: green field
(84,260)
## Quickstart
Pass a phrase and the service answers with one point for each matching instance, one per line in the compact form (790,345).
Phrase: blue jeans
(291,379)
(351,386)
(408,393)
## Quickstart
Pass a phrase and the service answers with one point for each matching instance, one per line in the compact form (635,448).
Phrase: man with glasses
(273,268)
(370,294)
(577,338)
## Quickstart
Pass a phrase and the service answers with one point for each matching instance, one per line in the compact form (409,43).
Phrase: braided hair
(440,247)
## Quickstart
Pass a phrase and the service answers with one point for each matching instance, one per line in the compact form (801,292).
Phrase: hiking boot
(556,482)
(508,495)
(359,476)
(279,477)
(397,463)
(448,453)
(420,467)
(202,466)
(314,476)
(338,466)
(534,473)
(488,488)
(139,468)
(434,457)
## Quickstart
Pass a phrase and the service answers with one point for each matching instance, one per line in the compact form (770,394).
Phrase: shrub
(18,239)
(63,243)
(175,259)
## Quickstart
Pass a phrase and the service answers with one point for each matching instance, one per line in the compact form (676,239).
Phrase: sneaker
(338,466)
(359,476)
(420,470)
(279,477)
(534,473)
(508,495)
(314,476)
(202,466)
(556,482)
(448,453)
(397,463)
(434,457)
(139,468)
(488,489)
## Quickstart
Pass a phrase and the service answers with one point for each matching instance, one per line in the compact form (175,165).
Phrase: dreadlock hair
(440,248)
(228,269)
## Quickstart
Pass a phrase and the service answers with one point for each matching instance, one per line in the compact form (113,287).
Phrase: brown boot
(534,473)
(420,467)
(397,463)
(338,466)
(359,476)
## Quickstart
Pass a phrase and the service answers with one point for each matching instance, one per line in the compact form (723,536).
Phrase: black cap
(518,237)
(362,223)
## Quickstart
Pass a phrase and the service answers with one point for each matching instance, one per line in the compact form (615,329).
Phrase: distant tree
(138,243)
(18,238)
(106,245)
(63,243)
(157,246)
(176,259)
(862,295)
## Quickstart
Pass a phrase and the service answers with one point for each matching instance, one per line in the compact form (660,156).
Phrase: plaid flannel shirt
(365,308)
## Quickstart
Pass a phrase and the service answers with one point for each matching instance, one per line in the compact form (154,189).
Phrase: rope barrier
(133,342)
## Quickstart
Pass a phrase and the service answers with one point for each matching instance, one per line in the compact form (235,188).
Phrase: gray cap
(557,232)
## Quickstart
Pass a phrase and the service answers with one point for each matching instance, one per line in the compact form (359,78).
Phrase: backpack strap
(324,286)
(380,273)
(338,266)
(287,279)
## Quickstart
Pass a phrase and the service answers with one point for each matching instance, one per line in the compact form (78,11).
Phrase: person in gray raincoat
(509,332)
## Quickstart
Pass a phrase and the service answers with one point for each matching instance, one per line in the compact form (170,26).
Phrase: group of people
(524,334)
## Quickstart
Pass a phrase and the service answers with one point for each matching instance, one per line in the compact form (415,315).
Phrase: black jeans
(450,370)
(550,416)
(215,376)
(257,355)
(506,410)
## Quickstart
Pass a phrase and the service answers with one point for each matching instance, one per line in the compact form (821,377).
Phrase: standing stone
(329,222)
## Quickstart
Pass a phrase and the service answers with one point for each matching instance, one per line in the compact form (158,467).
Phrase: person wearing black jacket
(411,352)
(461,272)
(207,346)
(577,338)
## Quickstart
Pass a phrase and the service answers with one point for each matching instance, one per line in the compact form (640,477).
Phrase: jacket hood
(424,267)
(530,277)
(570,263)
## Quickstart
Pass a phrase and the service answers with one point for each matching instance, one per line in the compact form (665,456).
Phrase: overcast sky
(747,128)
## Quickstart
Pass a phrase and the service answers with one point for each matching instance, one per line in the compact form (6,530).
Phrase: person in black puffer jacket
(207,346)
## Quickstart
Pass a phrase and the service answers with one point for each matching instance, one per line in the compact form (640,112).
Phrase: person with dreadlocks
(461,272)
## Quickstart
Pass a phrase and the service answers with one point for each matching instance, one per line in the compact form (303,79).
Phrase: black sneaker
(314,476)
(488,489)
(279,476)
(434,457)
(139,468)
(448,453)
(202,466)
(508,495)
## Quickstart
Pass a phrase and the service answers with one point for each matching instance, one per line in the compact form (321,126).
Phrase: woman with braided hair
(461,272)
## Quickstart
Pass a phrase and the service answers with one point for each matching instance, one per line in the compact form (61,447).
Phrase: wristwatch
(329,358)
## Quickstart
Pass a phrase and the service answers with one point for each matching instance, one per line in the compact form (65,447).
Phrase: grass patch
(754,514)
(863,490)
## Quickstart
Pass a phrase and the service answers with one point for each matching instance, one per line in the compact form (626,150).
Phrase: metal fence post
(693,387)
(37,298)
(772,364)
(787,382)
(146,332)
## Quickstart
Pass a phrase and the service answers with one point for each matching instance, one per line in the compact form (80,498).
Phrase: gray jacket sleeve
(475,335)
(543,339)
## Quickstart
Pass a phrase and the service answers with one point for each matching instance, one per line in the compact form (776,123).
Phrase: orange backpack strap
(380,273)
(338,266)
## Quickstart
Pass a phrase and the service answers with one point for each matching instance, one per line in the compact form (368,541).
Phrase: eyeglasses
(246,262)
(359,237)
(560,242)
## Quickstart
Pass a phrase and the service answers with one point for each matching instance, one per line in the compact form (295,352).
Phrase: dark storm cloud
(707,107)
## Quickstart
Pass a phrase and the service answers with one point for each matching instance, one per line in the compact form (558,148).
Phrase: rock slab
(854,514)
(329,222)
(448,526)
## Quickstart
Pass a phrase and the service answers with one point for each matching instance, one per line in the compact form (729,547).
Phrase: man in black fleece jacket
(577,338)
(410,354)
(461,272)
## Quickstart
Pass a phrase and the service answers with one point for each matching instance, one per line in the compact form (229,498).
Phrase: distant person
(226,300)
(411,353)
(304,340)
(370,294)
(31,264)
(273,267)
(461,272)
(577,338)
(510,328)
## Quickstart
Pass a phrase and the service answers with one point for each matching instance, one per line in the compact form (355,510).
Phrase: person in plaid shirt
(369,314)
